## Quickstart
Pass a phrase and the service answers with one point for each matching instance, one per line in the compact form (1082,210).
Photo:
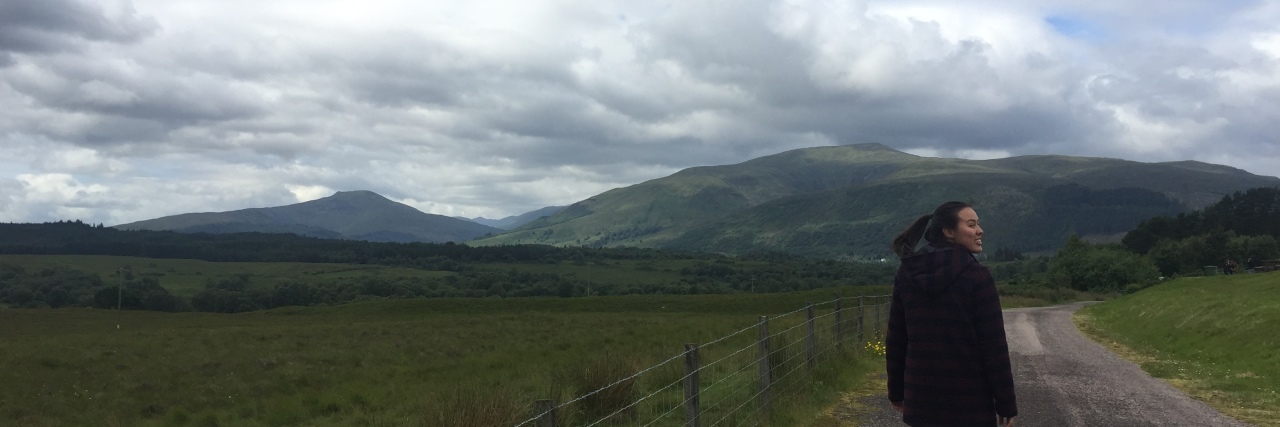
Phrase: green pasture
(418,362)
(1217,338)
(620,272)
(186,277)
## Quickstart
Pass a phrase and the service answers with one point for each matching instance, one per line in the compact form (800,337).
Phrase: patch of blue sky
(1076,28)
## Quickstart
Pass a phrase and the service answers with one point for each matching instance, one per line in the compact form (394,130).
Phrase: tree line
(67,287)
(1243,227)
(78,238)
(60,287)
(472,274)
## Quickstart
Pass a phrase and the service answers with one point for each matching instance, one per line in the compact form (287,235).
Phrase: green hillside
(357,215)
(848,201)
(1214,337)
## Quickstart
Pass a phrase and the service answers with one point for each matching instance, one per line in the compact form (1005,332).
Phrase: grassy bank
(430,362)
(1216,338)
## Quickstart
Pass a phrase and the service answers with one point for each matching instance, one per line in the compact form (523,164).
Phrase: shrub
(1106,268)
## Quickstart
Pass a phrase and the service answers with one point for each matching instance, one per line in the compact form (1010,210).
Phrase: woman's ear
(951,234)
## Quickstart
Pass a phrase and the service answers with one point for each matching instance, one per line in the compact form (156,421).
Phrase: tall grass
(1217,338)
(385,363)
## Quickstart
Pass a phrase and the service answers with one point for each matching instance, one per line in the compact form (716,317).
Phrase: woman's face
(968,232)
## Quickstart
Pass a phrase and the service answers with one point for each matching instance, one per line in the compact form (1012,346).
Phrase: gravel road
(1066,379)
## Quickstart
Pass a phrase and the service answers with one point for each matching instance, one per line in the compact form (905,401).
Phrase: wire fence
(735,380)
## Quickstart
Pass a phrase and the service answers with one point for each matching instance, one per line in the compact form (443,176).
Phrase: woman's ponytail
(928,227)
(905,244)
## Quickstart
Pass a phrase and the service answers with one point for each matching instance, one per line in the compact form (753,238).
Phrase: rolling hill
(848,201)
(355,215)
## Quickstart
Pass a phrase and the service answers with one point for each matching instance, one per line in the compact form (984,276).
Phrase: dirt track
(1066,379)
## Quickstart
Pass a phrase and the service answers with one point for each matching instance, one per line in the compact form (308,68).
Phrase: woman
(946,355)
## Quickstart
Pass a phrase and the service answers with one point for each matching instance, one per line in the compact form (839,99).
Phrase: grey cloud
(934,110)
(131,106)
(416,70)
(143,93)
(1168,81)
(47,26)
(701,83)
(738,49)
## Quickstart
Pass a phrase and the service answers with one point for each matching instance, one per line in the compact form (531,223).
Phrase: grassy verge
(1215,338)
(1015,296)
(445,362)
(848,408)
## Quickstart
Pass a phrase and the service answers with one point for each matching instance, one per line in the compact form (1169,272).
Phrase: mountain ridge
(845,201)
(355,215)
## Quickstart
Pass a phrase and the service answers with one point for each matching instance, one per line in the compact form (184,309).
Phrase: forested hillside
(1243,227)
(848,201)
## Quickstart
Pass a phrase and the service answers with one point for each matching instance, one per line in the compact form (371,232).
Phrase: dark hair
(946,216)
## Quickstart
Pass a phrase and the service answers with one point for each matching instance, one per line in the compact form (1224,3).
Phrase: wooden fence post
(839,329)
(692,411)
(809,340)
(766,379)
(547,408)
(878,329)
(862,325)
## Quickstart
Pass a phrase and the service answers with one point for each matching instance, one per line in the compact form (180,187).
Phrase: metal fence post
(766,379)
(692,411)
(809,340)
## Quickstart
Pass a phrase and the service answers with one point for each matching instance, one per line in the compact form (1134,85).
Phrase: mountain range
(355,215)
(849,201)
(829,202)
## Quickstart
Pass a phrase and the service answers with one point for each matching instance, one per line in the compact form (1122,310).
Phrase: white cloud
(490,108)
(77,160)
(307,193)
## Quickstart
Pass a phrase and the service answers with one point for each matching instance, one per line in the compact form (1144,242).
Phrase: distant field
(619,272)
(383,363)
(1217,338)
(184,277)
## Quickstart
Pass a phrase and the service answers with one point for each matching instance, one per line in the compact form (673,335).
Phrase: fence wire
(728,390)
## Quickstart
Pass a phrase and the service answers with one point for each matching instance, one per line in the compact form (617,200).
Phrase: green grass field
(420,362)
(619,272)
(1217,338)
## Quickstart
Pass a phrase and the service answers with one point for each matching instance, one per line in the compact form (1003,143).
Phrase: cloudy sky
(118,111)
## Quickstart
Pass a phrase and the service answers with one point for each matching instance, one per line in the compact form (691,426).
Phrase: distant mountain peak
(357,194)
(360,215)
(872,146)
